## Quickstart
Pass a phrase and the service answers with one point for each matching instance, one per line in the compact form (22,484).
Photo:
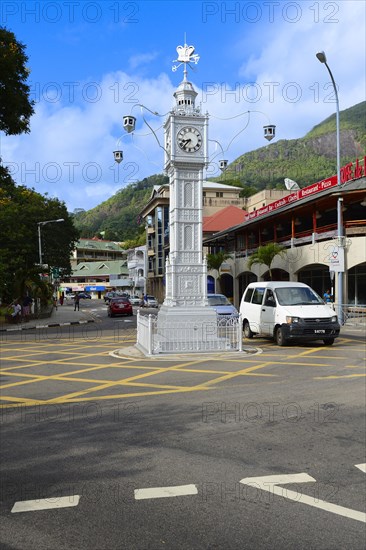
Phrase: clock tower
(186,156)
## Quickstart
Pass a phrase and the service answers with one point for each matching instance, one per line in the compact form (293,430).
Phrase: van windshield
(297,296)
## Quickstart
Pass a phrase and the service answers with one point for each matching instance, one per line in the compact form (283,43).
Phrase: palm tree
(215,261)
(266,254)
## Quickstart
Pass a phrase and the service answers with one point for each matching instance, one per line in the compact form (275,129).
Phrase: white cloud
(69,151)
(141,59)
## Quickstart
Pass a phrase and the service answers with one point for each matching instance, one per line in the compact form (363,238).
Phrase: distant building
(92,250)
(137,267)
(306,222)
(99,277)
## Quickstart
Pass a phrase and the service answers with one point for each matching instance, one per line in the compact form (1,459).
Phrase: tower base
(187,329)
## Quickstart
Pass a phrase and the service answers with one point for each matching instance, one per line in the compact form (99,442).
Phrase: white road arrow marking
(269,484)
(163,492)
(45,504)
(361,467)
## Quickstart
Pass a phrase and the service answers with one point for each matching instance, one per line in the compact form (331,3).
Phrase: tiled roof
(98,244)
(101,268)
(223,219)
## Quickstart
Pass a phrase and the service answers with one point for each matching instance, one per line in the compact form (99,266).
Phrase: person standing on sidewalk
(76,302)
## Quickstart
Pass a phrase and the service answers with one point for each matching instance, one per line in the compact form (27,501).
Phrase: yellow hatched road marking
(234,374)
(124,395)
(207,371)
(130,379)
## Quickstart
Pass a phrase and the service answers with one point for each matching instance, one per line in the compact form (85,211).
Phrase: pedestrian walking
(76,302)
(327,296)
(26,305)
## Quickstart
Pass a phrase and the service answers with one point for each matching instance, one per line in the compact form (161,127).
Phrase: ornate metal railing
(155,337)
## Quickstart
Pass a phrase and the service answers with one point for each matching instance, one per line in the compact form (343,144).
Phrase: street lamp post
(39,235)
(323,59)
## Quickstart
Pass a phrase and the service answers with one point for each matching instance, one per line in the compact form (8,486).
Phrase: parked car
(84,295)
(119,306)
(135,300)
(222,305)
(150,301)
(287,311)
(70,296)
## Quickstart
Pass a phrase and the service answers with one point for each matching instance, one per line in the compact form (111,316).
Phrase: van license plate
(318,331)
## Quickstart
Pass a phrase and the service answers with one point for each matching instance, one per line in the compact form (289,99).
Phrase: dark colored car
(119,306)
(84,295)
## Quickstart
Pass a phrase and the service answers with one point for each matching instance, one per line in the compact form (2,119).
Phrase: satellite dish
(291,185)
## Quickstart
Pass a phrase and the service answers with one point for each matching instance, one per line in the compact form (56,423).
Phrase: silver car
(222,305)
(150,301)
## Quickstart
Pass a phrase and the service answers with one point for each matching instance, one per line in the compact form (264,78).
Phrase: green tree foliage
(15,105)
(20,211)
(265,255)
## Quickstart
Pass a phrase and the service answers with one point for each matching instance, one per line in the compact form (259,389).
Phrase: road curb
(50,325)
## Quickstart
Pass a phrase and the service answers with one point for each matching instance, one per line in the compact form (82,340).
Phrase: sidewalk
(63,316)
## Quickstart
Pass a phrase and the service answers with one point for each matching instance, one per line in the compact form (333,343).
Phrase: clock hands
(185,142)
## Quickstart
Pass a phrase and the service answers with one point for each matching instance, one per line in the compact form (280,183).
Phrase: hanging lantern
(129,123)
(269,131)
(223,165)
(118,156)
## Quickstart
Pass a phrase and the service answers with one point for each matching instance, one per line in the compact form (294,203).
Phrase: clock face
(189,139)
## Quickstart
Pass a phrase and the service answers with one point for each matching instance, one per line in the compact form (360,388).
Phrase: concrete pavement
(62,316)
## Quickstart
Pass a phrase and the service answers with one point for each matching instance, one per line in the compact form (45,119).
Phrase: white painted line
(361,467)
(164,492)
(45,504)
(269,483)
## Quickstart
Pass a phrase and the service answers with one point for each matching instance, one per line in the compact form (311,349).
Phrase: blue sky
(91,62)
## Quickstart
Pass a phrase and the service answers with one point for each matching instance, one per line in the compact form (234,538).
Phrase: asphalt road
(83,434)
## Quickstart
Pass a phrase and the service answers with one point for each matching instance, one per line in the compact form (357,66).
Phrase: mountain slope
(118,217)
(304,160)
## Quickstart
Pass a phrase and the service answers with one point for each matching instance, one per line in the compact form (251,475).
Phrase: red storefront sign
(351,171)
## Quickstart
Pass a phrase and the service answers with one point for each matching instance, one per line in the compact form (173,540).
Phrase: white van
(287,311)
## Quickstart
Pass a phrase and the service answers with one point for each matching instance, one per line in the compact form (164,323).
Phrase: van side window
(258,296)
(270,299)
(248,295)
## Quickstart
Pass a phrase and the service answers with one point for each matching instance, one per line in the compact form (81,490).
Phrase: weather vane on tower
(186,56)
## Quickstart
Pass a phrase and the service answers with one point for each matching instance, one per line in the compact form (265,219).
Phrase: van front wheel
(246,329)
(280,337)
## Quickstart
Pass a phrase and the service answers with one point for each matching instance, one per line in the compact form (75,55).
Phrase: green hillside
(305,160)
(118,217)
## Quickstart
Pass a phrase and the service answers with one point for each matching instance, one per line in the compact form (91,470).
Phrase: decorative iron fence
(155,337)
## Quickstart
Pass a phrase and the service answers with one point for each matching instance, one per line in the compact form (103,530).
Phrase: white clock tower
(186,156)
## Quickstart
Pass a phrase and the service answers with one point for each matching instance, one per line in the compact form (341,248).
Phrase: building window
(219,194)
